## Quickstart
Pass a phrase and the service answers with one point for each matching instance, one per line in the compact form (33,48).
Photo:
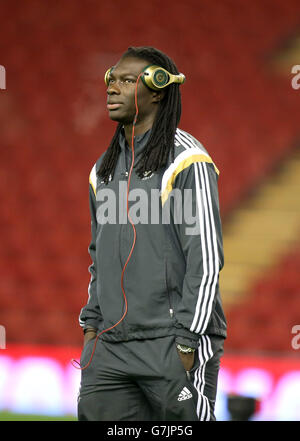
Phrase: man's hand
(89,335)
(187,360)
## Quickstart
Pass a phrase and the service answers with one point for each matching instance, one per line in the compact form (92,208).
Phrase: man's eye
(126,81)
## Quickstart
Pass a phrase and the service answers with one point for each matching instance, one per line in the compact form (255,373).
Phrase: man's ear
(157,95)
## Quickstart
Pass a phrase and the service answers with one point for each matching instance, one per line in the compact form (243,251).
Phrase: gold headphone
(155,77)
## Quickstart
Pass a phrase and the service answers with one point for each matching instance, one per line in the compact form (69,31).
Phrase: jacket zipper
(123,323)
(171,310)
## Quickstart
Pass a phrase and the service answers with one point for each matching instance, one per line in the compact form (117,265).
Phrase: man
(153,325)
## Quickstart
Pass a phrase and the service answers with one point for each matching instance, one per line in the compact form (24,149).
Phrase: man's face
(121,91)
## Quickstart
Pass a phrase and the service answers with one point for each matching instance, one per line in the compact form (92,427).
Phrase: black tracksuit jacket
(172,279)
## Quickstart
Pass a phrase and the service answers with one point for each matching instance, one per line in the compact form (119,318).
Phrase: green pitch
(7,416)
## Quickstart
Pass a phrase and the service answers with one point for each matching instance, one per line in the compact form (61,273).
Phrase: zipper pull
(171,312)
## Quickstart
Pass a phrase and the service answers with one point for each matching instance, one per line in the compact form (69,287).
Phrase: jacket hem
(159,332)
(138,335)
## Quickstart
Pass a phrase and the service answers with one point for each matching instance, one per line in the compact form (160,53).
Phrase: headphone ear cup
(106,76)
(156,77)
(160,78)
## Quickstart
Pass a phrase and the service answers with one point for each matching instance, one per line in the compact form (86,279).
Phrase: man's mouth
(113,106)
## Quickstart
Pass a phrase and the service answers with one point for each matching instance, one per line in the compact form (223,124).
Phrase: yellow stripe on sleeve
(183,164)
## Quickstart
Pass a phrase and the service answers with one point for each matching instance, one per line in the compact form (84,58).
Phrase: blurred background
(241,99)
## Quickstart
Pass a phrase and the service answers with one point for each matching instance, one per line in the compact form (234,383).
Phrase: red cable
(73,361)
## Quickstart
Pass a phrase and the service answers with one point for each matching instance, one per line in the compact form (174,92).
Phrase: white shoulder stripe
(190,144)
(93,179)
(189,140)
(207,236)
(209,251)
(192,154)
(208,243)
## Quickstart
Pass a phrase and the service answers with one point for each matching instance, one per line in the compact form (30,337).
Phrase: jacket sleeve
(200,237)
(90,315)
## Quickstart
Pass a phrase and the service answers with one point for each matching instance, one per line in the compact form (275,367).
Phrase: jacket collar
(139,142)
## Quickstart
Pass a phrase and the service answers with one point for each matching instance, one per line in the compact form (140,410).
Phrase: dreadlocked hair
(161,141)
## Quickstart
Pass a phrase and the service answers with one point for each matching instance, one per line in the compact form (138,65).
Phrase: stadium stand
(53,127)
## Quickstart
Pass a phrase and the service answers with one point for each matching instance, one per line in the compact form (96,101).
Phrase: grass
(8,416)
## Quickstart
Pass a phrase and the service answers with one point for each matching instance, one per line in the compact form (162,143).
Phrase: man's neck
(140,128)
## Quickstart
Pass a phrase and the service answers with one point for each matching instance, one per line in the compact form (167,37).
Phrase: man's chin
(115,116)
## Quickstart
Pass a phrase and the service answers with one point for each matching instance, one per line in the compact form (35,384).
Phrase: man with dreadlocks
(160,324)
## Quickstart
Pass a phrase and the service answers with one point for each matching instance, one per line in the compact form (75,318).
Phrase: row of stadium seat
(266,319)
(54,128)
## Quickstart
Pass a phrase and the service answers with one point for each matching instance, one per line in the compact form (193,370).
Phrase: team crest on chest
(147,175)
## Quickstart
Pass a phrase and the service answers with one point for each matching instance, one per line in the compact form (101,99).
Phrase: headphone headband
(155,77)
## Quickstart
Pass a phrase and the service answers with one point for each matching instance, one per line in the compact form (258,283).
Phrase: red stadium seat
(46,158)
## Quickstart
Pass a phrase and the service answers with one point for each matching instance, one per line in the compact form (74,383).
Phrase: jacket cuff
(185,337)
(187,342)
(91,323)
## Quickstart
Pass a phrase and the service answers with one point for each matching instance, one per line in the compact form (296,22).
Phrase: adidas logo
(185,394)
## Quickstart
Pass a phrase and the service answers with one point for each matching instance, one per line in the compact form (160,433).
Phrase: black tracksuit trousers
(144,380)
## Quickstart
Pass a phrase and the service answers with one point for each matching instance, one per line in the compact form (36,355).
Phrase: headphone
(155,77)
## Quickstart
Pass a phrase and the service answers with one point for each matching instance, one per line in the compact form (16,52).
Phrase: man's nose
(113,89)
